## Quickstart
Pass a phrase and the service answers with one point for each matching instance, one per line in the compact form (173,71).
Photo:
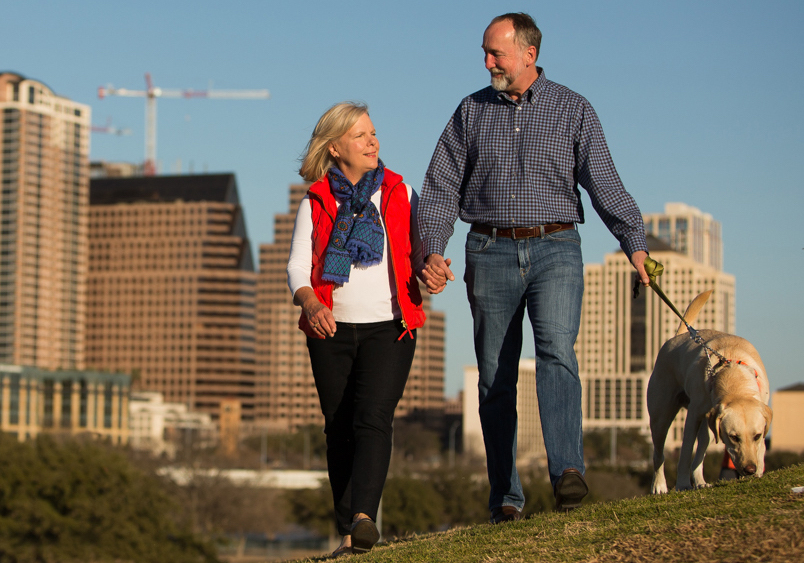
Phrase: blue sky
(700,102)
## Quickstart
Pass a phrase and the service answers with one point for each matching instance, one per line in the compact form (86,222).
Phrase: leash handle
(654,269)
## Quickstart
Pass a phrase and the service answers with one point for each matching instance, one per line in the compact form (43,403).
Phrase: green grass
(755,519)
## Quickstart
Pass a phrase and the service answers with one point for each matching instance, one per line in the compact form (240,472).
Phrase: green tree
(464,496)
(410,505)
(312,509)
(81,501)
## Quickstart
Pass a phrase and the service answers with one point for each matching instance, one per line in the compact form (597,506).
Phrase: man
(509,162)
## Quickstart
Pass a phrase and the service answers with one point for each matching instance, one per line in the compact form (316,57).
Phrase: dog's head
(742,424)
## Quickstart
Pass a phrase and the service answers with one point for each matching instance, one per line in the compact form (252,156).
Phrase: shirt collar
(532,93)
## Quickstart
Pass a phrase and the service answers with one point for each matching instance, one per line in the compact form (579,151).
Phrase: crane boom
(152,93)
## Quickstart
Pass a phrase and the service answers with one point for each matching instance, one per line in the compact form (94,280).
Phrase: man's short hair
(525,31)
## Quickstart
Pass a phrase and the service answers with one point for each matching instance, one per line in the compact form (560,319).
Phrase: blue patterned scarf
(357,237)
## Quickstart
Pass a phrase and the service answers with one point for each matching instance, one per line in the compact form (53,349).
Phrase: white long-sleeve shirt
(370,294)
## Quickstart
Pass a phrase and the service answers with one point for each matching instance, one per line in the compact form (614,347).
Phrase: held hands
(436,273)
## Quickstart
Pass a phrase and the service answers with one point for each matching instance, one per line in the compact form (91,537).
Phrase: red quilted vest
(395,210)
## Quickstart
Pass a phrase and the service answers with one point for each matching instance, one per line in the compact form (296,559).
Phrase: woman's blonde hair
(336,121)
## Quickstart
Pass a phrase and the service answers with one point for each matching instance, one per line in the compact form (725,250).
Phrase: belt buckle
(541,231)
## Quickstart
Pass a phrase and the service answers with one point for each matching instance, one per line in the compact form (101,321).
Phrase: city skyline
(699,104)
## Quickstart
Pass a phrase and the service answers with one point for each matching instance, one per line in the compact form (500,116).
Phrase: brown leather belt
(522,232)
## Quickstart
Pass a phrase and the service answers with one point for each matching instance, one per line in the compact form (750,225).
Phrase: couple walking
(509,162)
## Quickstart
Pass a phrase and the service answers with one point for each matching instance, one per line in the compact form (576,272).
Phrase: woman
(354,252)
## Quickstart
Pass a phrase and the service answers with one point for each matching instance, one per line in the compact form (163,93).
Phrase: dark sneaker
(570,490)
(505,514)
(364,535)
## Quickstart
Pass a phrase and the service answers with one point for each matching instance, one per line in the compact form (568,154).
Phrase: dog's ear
(768,414)
(713,417)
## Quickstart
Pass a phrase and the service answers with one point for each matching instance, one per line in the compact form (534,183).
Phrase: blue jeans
(504,277)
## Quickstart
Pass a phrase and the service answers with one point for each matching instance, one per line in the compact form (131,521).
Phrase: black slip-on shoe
(364,535)
(570,490)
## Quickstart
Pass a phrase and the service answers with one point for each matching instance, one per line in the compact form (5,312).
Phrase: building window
(48,403)
(639,333)
(639,401)
(83,404)
(108,395)
(28,387)
(628,403)
(66,403)
(14,400)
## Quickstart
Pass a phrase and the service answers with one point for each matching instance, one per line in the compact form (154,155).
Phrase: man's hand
(638,261)
(436,273)
(320,316)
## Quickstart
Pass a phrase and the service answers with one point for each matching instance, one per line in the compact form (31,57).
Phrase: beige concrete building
(788,419)
(620,336)
(689,231)
(44,179)
(529,440)
(171,288)
(164,428)
(33,401)
(286,394)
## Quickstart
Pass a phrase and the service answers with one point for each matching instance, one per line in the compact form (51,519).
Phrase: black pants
(360,375)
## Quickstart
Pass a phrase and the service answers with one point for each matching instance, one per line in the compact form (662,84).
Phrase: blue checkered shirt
(509,164)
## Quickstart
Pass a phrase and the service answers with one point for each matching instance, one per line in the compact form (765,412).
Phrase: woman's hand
(319,315)
(436,273)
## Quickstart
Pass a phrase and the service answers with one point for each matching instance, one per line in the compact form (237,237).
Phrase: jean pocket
(476,242)
(570,235)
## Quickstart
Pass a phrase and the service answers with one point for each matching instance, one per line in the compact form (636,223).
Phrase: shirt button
(517,129)
(519,108)
(513,196)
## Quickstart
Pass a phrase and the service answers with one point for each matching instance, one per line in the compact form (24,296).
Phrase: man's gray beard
(500,82)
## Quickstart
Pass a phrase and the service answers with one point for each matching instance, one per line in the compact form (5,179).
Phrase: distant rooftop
(794,387)
(164,189)
(658,245)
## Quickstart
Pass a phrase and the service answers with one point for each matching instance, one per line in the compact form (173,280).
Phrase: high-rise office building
(286,394)
(171,289)
(44,179)
(620,336)
(688,231)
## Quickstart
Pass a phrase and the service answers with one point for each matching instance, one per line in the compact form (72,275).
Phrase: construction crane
(152,93)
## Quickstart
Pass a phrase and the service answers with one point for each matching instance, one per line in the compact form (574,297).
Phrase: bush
(410,505)
(80,501)
(779,460)
(312,509)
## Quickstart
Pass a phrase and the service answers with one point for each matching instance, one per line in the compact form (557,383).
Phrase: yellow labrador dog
(733,394)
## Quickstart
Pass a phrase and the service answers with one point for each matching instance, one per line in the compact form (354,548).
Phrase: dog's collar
(723,362)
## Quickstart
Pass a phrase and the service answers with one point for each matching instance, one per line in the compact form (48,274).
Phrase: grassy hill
(747,520)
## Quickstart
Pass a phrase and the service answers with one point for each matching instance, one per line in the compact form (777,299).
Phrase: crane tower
(151,93)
